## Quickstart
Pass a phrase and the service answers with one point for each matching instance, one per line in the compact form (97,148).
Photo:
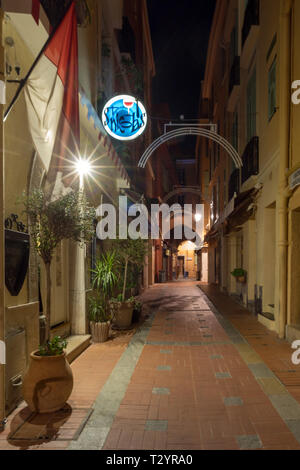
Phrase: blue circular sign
(124,117)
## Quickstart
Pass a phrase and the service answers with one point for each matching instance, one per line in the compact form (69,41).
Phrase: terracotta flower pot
(99,331)
(122,314)
(47,383)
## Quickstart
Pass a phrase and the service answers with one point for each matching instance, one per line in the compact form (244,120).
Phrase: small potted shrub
(48,381)
(240,275)
(99,319)
(129,253)
(104,281)
(122,310)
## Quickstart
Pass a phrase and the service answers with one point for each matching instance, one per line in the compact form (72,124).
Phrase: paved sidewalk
(189,378)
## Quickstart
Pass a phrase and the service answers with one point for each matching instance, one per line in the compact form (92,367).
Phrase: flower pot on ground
(104,280)
(130,255)
(99,319)
(48,381)
(121,312)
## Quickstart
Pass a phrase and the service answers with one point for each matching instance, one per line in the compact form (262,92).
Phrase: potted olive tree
(104,280)
(129,253)
(48,381)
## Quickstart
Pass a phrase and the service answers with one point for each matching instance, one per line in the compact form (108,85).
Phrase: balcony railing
(235,74)
(250,159)
(234,184)
(251,18)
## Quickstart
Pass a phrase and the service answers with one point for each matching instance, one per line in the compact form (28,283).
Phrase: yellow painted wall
(187,249)
(89,53)
(19,149)
(295,109)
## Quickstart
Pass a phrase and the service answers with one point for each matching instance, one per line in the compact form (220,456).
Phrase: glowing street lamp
(83,168)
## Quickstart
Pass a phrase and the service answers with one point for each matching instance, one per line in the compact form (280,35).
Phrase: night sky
(180,32)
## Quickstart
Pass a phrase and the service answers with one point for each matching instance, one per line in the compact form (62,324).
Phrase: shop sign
(124,117)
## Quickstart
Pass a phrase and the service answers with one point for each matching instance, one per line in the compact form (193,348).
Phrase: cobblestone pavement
(195,375)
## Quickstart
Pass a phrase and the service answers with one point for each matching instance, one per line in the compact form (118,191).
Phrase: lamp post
(77,279)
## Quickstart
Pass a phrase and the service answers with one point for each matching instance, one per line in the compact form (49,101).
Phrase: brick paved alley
(190,377)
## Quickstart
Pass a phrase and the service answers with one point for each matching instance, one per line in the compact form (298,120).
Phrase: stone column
(2,237)
(77,290)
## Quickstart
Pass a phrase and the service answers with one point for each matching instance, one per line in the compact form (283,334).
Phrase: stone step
(76,345)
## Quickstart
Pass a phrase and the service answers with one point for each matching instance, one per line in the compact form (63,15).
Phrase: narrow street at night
(241,394)
(149,229)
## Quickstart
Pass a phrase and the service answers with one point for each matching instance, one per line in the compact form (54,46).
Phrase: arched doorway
(186,263)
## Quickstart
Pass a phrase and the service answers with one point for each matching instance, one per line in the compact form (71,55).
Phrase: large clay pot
(47,383)
(99,331)
(122,314)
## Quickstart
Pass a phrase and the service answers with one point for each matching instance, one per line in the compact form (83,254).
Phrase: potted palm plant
(129,253)
(48,381)
(104,280)
(99,319)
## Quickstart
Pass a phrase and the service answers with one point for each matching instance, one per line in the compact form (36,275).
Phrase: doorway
(180,266)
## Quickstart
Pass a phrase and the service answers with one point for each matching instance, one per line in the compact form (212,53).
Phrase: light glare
(83,167)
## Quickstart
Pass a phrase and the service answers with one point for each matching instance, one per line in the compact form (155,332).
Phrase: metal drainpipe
(285,109)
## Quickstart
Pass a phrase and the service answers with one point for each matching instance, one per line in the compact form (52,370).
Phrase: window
(234,131)
(251,106)
(272,90)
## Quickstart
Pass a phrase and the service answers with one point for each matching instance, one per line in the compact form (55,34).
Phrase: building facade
(252,222)
(115,56)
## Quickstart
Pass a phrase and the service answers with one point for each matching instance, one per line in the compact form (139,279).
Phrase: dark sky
(180,32)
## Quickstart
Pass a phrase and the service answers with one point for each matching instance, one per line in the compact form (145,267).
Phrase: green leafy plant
(129,253)
(137,305)
(53,347)
(105,276)
(238,272)
(97,309)
(134,73)
(69,217)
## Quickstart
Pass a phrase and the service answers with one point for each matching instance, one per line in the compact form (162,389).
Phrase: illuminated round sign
(124,117)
